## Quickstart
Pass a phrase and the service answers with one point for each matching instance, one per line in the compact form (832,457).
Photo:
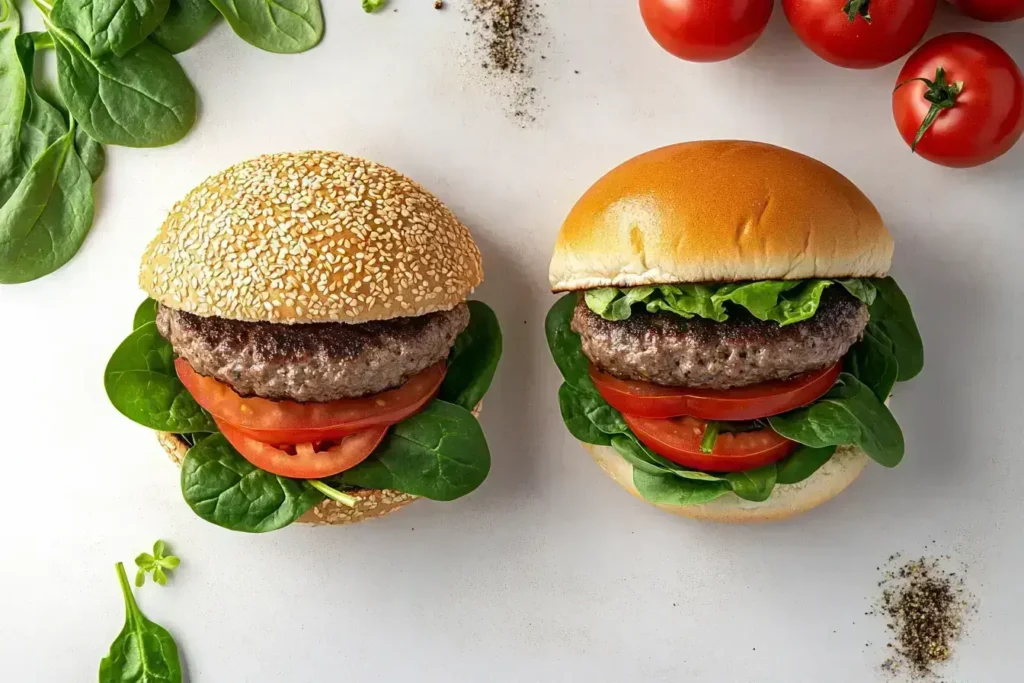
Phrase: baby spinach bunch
(439,453)
(118,84)
(852,413)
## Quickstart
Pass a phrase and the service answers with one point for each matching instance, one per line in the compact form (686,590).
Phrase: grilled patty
(312,362)
(670,350)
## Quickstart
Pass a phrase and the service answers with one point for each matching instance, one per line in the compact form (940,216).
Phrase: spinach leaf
(849,413)
(872,360)
(575,418)
(666,489)
(13,87)
(224,488)
(755,485)
(565,345)
(275,25)
(439,453)
(802,463)
(141,383)
(782,301)
(185,23)
(143,99)
(145,313)
(635,454)
(891,314)
(143,652)
(109,26)
(373,5)
(91,153)
(473,359)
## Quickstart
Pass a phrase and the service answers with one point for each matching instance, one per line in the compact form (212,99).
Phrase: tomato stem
(857,8)
(333,493)
(941,94)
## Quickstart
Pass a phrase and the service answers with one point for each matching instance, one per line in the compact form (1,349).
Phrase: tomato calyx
(941,94)
(857,8)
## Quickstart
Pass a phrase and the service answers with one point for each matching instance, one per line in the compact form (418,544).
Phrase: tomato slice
(291,422)
(644,399)
(678,439)
(309,460)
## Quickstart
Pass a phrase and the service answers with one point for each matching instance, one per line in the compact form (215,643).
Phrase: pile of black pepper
(925,607)
(507,32)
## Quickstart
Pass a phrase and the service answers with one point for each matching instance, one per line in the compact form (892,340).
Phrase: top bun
(720,211)
(310,237)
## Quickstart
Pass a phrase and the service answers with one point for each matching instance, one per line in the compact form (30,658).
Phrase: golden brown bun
(370,504)
(786,500)
(310,237)
(719,211)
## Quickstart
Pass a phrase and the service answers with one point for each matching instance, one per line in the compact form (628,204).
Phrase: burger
(730,336)
(307,352)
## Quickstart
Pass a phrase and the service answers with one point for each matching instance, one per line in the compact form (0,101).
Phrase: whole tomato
(706,30)
(992,10)
(860,34)
(959,100)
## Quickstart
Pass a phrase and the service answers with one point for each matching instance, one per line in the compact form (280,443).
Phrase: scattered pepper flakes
(438,4)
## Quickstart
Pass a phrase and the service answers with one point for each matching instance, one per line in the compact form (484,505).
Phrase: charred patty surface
(312,362)
(670,350)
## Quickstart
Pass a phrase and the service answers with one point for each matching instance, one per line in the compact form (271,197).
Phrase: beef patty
(667,349)
(312,362)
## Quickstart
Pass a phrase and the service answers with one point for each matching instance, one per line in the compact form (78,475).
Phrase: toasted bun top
(310,237)
(719,211)
(786,500)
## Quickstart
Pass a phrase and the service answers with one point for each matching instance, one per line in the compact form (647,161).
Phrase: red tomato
(644,399)
(706,30)
(290,422)
(306,460)
(860,34)
(992,10)
(959,100)
(678,439)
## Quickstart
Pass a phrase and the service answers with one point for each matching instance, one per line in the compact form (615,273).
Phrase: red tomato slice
(644,399)
(290,422)
(309,461)
(678,439)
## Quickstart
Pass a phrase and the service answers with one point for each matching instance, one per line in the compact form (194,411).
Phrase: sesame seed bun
(310,237)
(369,505)
(786,500)
(719,211)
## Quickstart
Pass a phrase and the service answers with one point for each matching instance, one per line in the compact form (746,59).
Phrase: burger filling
(317,362)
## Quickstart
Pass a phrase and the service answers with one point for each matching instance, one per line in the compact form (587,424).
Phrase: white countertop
(549,572)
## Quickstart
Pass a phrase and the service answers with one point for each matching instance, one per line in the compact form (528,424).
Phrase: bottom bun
(787,500)
(369,504)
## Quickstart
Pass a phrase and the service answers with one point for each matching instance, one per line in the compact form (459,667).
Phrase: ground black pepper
(925,607)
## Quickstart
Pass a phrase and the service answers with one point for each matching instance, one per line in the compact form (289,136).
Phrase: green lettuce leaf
(782,301)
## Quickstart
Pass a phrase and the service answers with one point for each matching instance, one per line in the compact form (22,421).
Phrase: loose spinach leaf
(145,313)
(143,652)
(91,153)
(575,417)
(473,359)
(13,87)
(224,488)
(849,413)
(275,25)
(891,314)
(141,383)
(159,563)
(185,23)
(872,360)
(755,485)
(439,453)
(667,489)
(802,463)
(373,5)
(782,301)
(109,26)
(143,99)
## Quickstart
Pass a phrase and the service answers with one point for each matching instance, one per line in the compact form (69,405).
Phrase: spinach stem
(707,444)
(333,494)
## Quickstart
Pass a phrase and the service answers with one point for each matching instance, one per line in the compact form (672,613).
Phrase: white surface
(549,572)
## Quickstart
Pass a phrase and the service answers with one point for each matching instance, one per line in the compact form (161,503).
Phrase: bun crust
(370,504)
(719,211)
(310,237)
(786,500)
